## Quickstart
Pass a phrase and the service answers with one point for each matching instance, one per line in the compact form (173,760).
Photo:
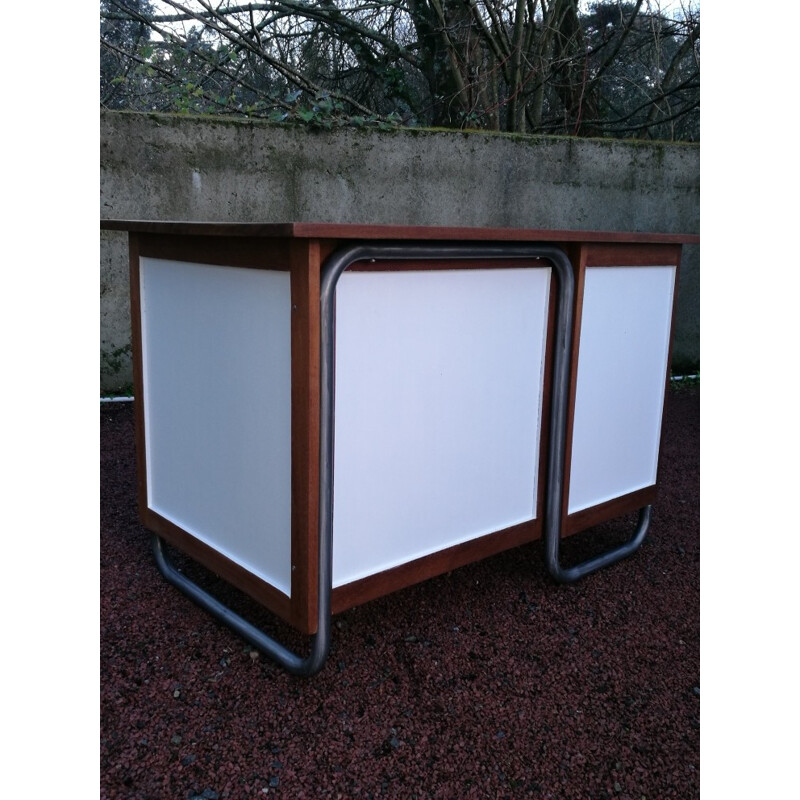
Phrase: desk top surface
(345,231)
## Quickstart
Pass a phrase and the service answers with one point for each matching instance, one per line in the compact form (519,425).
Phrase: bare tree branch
(614,68)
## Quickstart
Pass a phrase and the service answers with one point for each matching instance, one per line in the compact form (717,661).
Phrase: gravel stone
(403,720)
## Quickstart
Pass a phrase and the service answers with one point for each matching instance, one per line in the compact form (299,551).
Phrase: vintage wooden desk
(326,413)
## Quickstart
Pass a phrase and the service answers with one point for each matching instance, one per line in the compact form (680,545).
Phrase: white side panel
(217,402)
(438,410)
(622,368)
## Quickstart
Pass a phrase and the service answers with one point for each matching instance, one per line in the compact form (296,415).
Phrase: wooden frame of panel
(301,258)
(449,558)
(617,254)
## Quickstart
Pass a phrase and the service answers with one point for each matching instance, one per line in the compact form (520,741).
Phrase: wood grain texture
(578,256)
(349,232)
(589,517)
(244,580)
(138,374)
(226,251)
(421,569)
(304,264)
(634,255)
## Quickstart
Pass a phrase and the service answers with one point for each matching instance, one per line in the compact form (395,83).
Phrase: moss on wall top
(178,120)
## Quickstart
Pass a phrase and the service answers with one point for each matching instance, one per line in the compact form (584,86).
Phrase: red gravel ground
(488,682)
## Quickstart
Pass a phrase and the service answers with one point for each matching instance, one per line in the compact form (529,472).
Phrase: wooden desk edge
(346,231)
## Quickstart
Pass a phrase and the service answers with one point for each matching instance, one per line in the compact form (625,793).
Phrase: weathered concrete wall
(188,168)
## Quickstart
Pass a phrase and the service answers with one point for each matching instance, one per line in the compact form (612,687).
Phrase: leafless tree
(555,66)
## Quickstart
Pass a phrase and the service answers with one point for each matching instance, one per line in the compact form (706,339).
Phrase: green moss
(533,140)
(112,362)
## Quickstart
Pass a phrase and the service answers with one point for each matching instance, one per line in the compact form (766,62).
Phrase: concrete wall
(188,168)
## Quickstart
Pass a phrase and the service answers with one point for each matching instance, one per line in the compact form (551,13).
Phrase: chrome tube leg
(572,574)
(291,662)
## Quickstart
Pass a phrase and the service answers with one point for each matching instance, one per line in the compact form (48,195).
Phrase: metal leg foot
(291,662)
(572,574)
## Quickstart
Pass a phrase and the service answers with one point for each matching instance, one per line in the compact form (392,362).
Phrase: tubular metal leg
(291,662)
(572,574)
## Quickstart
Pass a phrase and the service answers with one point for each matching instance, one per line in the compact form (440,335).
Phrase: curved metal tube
(291,662)
(572,574)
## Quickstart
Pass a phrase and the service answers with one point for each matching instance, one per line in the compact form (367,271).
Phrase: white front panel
(217,401)
(438,410)
(622,368)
